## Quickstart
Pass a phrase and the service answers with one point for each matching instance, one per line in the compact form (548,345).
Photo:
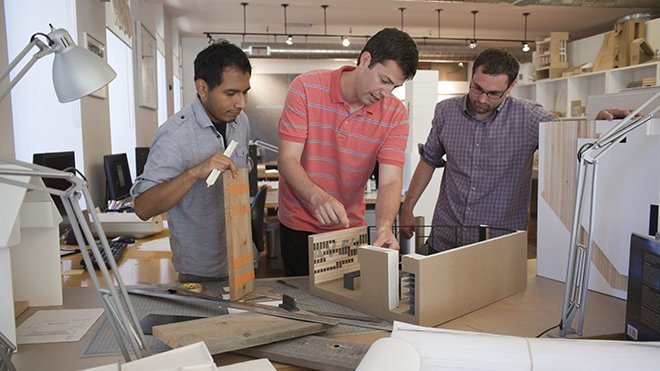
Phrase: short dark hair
(392,44)
(215,58)
(495,61)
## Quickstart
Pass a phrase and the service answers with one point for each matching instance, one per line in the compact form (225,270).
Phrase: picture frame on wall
(146,67)
(98,48)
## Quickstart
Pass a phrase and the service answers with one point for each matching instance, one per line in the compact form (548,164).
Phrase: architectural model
(434,288)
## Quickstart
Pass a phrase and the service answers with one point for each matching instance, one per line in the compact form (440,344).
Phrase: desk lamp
(76,73)
(579,255)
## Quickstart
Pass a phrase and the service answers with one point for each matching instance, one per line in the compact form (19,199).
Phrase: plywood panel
(234,331)
(458,281)
(239,234)
(314,352)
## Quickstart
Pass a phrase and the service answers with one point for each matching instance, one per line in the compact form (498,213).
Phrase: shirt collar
(335,89)
(202,118)
(497,110)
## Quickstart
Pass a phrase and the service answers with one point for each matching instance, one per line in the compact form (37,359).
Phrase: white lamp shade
(77,72)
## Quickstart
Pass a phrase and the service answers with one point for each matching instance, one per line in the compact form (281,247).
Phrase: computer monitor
(141,155)
(65,161)
(643,304)
(118,176)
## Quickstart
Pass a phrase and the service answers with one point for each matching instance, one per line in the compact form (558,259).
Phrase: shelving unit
(557,94)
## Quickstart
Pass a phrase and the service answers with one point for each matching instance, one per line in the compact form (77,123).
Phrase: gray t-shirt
(197,222)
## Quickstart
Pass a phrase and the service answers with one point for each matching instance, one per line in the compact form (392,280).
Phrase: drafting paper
(55,326)
(161,244)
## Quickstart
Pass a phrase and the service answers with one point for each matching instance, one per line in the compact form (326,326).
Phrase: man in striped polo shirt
(334,127)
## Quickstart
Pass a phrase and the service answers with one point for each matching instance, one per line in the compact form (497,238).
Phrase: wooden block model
(238,229)
(552,57)
(434,289)
(627,32)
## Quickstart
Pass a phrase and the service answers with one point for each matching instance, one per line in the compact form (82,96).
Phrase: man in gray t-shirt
(185,150)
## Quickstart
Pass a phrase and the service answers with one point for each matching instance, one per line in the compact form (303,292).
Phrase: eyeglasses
(477,90)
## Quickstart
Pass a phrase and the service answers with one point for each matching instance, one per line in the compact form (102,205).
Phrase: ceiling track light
(345,41)
(289,40)
(244,4)
(325,22)
(285,6)
(525,44)
(473,43)
(438,10)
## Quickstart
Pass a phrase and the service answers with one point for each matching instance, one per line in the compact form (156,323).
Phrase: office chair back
(257,217)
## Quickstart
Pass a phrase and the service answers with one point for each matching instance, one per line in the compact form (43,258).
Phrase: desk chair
(258,225)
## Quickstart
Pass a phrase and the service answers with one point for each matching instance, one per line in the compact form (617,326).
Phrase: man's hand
(385,238)
(406,224)
(328,210)
(217,161)
(612,113)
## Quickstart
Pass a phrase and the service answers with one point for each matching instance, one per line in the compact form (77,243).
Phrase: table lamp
(579,256)
(76,73)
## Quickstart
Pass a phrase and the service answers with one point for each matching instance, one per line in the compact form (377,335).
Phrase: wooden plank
(238,228)
(314,352)
(20,307)
(234,331)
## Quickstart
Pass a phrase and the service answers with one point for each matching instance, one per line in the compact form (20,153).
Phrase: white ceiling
(496,19)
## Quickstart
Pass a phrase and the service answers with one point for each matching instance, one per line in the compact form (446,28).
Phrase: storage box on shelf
(551,55)
(561,94)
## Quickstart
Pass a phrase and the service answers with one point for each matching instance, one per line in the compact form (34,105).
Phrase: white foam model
(450,349)
(215,173)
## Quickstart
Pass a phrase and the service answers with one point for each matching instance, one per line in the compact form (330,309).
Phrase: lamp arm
(266,146)
(579,255)
(115,300)
(607,137)
(43,51)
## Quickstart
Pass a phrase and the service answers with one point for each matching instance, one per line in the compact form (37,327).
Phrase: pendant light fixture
(525,44)
(438,10)
(473,43)
(289,40)
(345,41)
(402,10)
(244,5)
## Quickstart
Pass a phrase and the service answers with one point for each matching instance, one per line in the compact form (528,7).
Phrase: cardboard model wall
(435,288)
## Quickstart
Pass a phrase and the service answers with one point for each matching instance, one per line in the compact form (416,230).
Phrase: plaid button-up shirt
(487,178)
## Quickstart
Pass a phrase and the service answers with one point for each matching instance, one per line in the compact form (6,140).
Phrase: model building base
(434,289)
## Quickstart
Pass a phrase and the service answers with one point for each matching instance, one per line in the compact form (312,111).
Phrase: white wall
(6,121)
(41,122)
(584,50)
(121,92)
(421,98)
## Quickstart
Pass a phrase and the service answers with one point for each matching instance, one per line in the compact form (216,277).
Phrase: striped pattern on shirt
(341,149)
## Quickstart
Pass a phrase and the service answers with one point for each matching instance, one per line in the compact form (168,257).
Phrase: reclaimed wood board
(314,352)
(238,228)
(235,331)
